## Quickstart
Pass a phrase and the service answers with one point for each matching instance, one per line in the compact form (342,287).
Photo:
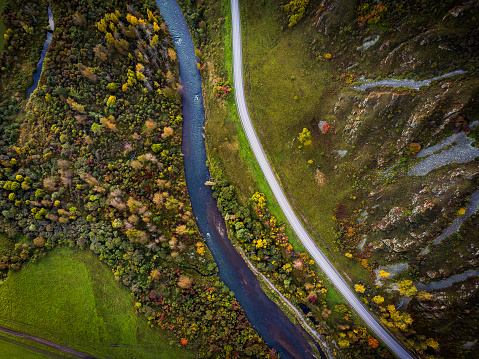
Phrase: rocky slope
(412,150)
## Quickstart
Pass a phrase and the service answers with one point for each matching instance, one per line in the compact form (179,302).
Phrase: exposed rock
(399,245)
(395,215)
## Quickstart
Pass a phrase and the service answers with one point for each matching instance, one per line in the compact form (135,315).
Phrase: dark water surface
(38,71)
(269,321)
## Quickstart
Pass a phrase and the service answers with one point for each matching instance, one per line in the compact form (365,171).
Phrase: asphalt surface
(297,226)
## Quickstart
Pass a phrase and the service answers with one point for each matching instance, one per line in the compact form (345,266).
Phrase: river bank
(270,322)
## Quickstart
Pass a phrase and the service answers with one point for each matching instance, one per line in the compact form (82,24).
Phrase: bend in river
(270,322)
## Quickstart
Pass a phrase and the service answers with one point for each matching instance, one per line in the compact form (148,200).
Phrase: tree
(155,274)
(185,282)
(296,10)
(39,242)
(407,288)
(384,274)
(109,38)
(359,288)
(132,19)
(102,25)
(122,46)
(373,343)
(154,41)
(172,54)
(101,52)
(111,101)
(96,128)
(378,299)
(304,137)
(432,343)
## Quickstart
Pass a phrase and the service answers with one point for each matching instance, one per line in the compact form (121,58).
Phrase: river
(38,71)
(288,339)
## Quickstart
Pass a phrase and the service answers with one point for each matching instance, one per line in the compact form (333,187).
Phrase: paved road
(297,226)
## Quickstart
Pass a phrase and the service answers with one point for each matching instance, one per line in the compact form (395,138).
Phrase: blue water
(269,321)
(38,71)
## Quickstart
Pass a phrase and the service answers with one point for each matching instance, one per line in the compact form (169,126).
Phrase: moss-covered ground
(2,25)
(71,298)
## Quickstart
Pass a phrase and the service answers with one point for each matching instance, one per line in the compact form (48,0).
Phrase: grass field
(71,298)
(12,347)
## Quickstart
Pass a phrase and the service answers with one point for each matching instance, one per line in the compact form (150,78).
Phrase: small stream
(447,282)
(405,82)
(456,148)
(288,339)
(38,71)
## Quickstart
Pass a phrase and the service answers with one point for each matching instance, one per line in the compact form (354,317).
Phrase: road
(297,226)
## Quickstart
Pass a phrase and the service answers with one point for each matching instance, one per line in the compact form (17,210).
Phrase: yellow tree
(304,137)
(407,288)
(359,288)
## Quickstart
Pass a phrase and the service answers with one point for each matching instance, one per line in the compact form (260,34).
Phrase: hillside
(378,171)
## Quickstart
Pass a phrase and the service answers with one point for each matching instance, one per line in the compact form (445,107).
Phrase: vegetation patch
(71,297)
(2,25)
(12,348)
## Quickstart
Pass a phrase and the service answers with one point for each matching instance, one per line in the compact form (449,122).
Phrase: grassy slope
(13,347)
(226,141)
(280,70)
(71,297)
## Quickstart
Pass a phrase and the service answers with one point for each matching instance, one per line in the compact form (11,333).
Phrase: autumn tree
(406,287)
(304,138)
(185,282)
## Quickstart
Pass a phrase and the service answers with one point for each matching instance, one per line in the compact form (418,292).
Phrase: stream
(288,339)
(406,82)
(38,71)
(447,282)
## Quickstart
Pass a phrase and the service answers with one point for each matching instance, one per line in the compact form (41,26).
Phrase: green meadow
(71,298)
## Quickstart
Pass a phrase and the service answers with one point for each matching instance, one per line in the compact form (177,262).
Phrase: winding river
(288,339)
